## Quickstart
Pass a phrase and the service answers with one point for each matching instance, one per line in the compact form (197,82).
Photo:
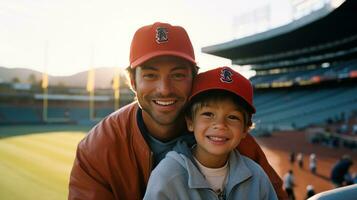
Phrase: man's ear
(132,81)
(189,124)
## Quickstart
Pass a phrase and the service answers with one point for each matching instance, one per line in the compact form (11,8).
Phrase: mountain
(103,77)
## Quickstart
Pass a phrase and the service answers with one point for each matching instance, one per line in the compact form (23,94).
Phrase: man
(115,159)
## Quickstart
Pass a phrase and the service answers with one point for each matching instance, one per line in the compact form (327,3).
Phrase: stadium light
(44,85)
(90,89)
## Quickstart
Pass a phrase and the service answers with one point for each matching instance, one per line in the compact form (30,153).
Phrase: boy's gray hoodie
(178,177)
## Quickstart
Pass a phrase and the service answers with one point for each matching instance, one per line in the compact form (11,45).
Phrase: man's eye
(149,76)
(178,76)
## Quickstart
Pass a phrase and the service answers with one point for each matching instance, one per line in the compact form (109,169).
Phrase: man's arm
(250,148)
(85,183)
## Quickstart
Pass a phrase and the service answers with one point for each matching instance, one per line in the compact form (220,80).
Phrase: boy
(219,114)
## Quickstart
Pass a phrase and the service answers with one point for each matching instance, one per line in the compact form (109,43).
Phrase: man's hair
(215,96)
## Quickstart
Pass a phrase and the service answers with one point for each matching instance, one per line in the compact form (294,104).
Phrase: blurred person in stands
(354,129)
(340,170)
(292,157)
(309,191)
(115,159)
(300,159)
(312,163)
(219,114)
(289,184)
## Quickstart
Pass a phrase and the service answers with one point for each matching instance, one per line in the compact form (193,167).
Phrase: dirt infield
(280,144)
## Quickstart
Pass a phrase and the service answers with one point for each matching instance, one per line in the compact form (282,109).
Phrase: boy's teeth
(165,103)
(219,139)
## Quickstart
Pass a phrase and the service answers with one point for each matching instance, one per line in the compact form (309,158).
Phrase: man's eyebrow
(146,67)
(180,67)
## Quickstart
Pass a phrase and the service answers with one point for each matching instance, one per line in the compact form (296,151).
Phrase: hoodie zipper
(220,196)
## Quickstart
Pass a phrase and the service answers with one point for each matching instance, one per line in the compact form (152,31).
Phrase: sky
(64,37)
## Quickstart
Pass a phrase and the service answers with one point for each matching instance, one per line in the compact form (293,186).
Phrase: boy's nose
(219,123)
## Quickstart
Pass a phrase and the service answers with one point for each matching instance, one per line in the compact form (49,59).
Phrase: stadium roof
(326,34)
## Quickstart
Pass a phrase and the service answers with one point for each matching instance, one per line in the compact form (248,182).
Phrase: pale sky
(74,30)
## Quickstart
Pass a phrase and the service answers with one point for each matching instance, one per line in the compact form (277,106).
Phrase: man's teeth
(165,103)
(218,139)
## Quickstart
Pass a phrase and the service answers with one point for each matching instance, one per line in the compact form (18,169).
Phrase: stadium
(304,92)
(310,62)
(305,80)
(41,103)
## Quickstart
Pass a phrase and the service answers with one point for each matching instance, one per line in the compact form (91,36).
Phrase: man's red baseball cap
(224,78)
(160,39)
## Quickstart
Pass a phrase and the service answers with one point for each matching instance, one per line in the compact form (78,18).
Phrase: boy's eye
(207,114)
(233,117)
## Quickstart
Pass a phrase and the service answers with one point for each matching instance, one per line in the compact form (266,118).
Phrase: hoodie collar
(238,170)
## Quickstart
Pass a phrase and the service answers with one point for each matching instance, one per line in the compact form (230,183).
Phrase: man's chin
(162,120)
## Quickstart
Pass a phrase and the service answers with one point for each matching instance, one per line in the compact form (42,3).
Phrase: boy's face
(218,128)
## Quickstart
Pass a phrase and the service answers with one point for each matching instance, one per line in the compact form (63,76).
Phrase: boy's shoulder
(253,167)
(250,177)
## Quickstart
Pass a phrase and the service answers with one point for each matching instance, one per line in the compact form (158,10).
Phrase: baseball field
(278,147)
(35,161)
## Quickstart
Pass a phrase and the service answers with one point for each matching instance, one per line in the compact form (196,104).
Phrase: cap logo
(226,76)
(161,35)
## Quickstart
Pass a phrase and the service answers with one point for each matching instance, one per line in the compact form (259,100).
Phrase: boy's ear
(245,132)
(189,124)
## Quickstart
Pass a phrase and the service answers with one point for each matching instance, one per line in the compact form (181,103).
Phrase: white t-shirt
(216,177)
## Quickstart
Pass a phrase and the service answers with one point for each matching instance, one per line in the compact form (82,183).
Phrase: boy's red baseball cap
(224,78)
(160,39)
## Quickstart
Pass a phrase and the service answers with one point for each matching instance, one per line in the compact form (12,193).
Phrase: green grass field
(35,164)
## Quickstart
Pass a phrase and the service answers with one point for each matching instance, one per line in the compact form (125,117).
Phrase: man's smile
(164,102)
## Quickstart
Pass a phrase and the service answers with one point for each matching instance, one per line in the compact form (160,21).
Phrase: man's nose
(165,86)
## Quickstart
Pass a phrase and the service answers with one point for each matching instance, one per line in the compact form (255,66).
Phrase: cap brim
(252,108)
(161,53)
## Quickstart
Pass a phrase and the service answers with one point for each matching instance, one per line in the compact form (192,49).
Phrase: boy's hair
(215,96)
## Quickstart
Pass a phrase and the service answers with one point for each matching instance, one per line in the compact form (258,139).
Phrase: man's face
(162,88)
